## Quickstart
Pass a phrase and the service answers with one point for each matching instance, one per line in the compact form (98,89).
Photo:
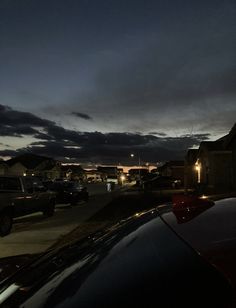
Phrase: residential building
(190,174)
(34,165)
(73,172)
(3,168)
(214,165)
(174,169)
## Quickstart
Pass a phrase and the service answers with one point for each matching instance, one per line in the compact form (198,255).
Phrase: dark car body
(161,182)
(153,259)
(21,196)
(69,192)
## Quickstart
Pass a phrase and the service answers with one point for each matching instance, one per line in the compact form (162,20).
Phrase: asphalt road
(35,233)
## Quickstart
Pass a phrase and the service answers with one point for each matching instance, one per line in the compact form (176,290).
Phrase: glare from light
(122,177)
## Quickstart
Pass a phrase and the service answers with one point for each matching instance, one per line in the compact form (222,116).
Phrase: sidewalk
(34,233)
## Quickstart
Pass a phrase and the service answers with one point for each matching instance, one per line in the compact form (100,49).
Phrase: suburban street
(35,233)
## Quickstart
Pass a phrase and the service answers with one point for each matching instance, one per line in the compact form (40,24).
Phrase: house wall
(233,147)
(222,169)
(166,171)
(52,174)
(3,169)
(176,172)
(17,169)
(216,170)
(190,180)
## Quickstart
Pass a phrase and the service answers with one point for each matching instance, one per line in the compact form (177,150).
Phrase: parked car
(112,179)
(153,259)
(20,196)
(69,192)
(161,182)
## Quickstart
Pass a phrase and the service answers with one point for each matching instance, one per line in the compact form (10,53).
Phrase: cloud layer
(64,144)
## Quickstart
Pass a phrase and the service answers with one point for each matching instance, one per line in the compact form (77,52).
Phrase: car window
(10,184)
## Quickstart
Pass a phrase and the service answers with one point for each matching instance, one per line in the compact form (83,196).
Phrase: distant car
(96,179)
(21,196)
(69,192)
(112,179)
(177,255)
(161,182)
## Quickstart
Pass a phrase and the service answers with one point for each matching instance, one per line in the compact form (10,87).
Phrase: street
(35,233)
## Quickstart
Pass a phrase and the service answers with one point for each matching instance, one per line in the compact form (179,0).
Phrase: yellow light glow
(198,169)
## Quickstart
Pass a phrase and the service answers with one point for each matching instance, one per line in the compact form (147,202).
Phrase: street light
(139,164)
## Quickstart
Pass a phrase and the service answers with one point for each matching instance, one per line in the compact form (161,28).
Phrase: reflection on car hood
(130,264)
(10,265)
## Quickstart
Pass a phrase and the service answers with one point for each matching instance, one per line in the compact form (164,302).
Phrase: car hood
(10,265)
(129,264)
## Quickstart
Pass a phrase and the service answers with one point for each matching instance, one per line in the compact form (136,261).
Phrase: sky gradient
(96,80)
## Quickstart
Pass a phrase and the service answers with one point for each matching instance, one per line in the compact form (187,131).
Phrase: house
(34,165)
(3,168)
(230,144)
(174,169)
(50,170)
(214,165)
(73,172)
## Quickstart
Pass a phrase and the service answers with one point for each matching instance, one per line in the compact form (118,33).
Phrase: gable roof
(230,137)
(28,160)
(217,145)
(172,163)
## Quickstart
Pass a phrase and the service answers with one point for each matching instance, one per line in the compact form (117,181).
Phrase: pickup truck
(20,196)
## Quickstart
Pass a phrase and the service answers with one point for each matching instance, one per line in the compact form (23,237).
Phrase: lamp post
(139,164)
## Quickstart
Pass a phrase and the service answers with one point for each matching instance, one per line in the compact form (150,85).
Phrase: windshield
(110,108)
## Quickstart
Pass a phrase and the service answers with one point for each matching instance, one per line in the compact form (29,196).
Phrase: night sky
(96,80)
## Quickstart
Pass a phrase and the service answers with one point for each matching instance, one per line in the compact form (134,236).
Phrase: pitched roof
(28,160)
(231,135)
(73,168)
(172,163)
(217,145)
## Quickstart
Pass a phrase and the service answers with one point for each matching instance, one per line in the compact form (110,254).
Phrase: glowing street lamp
(139,164)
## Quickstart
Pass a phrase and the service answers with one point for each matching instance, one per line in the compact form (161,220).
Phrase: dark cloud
(18,123)
(158,134)
(11,117)
(97,147)
(81,115)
